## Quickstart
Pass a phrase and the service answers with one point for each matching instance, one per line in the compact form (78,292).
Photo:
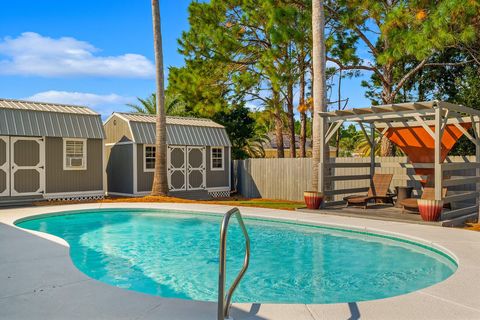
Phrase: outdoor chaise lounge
(411,204)
(378,191)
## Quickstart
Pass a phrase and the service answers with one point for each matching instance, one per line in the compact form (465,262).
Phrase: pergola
(433,119)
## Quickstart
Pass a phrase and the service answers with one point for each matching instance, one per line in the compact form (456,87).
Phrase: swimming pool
(175,254)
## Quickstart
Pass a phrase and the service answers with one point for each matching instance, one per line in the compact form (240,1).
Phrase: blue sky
(96,53)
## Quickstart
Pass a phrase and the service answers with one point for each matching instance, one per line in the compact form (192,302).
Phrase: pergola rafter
(433,117)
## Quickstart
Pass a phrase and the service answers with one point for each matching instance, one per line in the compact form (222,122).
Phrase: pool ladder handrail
(225,301)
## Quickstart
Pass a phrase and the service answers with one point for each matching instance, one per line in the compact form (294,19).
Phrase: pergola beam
(394,111)
(382,133)
(369,139)
(450,120)
(332,129)
(467,134)
(424,125)
(371,117)
(445,120)
(474,127)
(458,108)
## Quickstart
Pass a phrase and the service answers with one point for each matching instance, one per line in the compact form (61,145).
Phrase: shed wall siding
(117,130)
(217,179)
(120,168)
(144,179)
(58,180)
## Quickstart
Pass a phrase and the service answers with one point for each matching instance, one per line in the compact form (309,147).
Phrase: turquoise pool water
(175,254)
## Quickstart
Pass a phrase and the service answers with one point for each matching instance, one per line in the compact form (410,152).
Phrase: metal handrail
(224,301)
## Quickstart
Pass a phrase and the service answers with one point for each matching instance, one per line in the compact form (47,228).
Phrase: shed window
(149,161)
(75,154)
(216,162)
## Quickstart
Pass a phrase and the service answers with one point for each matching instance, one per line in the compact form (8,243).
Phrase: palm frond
(174,106)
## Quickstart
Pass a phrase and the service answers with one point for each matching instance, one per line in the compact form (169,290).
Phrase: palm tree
(174,106)
(145,106)
(364,149)
(160,183)
(254,146)
(319,67)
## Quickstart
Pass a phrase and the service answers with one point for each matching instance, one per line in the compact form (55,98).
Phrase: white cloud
(79,98)
(103,104)
(33,54)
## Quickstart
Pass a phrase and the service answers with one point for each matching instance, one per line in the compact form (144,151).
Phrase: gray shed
(199,156)
(50,151)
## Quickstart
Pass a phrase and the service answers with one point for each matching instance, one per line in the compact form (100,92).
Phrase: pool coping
(456,297)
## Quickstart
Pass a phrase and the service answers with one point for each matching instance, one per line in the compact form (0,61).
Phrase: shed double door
(186,168)
(22,166)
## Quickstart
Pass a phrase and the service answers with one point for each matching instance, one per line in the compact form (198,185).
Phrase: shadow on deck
(375,212)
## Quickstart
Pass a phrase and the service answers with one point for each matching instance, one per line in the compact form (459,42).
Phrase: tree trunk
(279,133)
(303,115)
(319,66)
(278,124)
(291,120)
(387,147)
(160,183)
(421,87)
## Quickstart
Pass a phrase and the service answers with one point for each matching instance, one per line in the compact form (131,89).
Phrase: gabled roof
(38,119)
(44,107)
(182,121)
(180,130)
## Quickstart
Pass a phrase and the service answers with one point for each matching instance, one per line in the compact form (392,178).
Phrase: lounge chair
(411,204)
(378,191)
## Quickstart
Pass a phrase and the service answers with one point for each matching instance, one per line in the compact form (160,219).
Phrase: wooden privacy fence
(288,178)
(284,179)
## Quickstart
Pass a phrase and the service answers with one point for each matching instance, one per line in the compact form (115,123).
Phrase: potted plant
(430,210)
(313,199)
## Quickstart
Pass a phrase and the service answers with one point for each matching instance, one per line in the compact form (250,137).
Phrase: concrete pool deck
(39,281)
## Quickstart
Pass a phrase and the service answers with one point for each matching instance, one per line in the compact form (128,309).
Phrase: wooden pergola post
(438,153)
(372,150)
(476,129)
(323,155)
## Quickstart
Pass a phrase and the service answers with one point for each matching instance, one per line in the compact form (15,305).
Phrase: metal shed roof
(25,118)
(180,130)
(43,106)
(183,121)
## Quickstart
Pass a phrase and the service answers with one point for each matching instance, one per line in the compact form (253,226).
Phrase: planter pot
(430,210)
(313,199)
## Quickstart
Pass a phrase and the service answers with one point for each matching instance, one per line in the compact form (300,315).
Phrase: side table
(402,193)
